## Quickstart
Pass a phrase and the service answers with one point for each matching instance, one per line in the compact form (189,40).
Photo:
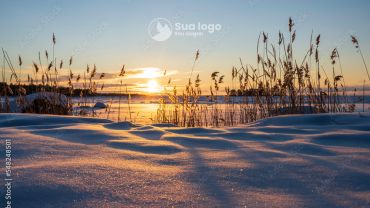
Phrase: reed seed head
(54,40)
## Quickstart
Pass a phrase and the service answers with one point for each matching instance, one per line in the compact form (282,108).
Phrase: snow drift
(319,160)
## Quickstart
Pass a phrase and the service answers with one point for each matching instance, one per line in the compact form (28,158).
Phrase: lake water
(144,109)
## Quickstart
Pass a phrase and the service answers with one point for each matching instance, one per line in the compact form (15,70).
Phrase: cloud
(148,73)
(135,79)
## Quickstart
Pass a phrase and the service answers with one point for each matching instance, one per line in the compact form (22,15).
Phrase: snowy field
(286,161)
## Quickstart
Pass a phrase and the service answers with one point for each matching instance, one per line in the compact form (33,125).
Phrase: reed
(278,84)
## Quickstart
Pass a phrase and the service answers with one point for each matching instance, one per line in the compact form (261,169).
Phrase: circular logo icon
(160,29)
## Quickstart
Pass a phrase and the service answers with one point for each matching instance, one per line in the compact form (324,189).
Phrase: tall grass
(278,84)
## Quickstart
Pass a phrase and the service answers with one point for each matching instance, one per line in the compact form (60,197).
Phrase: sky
(116,32)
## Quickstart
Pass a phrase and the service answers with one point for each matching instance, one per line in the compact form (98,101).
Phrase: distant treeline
(251,92)
(15,89)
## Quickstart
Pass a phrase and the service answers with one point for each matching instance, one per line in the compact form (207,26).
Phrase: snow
(18,104)
(320,160)
(100,105)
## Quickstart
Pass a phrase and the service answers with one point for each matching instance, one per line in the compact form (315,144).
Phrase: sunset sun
(152,86)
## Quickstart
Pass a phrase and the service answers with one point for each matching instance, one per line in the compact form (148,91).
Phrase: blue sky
(111,33)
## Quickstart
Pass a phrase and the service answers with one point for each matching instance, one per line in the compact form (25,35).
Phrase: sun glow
(152,86)
(146,73)
(151,73)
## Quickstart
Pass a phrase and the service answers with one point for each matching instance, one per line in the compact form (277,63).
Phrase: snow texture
(320,160)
